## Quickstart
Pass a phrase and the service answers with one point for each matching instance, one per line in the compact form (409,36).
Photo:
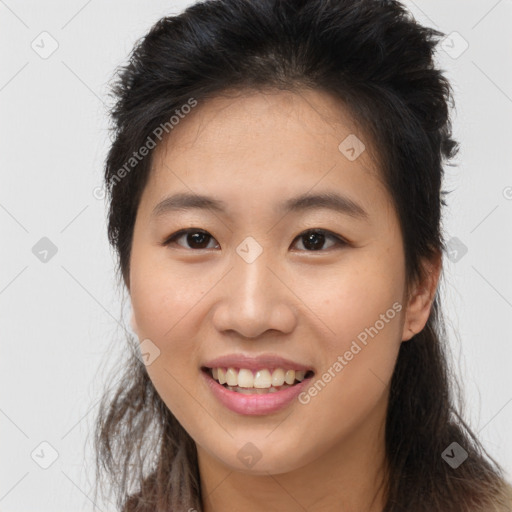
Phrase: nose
(255,298)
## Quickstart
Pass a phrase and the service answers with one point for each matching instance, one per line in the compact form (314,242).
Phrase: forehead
(303,120)
(264,145)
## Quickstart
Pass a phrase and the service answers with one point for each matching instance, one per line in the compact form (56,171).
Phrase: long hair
(379,63)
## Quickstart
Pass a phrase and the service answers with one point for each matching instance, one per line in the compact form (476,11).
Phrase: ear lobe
(420,300)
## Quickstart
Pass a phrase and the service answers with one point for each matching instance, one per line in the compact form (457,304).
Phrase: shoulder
(507,503)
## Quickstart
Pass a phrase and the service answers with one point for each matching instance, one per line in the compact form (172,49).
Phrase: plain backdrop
(59,318)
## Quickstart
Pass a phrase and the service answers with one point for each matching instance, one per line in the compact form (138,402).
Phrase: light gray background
(58,319)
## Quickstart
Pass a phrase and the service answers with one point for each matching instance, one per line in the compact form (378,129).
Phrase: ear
(421,298)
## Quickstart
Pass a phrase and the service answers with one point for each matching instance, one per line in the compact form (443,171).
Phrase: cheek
(361,296)
(363,312)
(162,295)
(163,306)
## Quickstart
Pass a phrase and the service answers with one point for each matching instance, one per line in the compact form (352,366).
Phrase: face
(317,288)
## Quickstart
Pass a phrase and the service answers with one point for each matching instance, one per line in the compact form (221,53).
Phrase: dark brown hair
(379,63)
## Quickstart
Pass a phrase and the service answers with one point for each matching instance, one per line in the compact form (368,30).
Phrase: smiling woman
(282,250)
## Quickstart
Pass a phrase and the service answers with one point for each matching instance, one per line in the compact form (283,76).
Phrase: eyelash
(171,239)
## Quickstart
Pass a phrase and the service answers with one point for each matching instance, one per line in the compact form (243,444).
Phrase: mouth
(257,382)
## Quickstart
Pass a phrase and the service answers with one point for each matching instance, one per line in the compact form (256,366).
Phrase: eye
(197,238)
(314,239)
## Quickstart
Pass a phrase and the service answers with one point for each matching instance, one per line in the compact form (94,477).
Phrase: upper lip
(255,362)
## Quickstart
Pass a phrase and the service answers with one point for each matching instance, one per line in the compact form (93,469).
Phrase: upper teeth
(259,379)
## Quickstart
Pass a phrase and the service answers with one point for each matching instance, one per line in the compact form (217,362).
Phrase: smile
(265,380)
(256,392)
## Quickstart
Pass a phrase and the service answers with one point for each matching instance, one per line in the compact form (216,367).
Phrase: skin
(253,150)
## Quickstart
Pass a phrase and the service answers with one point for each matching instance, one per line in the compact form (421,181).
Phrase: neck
(349,477)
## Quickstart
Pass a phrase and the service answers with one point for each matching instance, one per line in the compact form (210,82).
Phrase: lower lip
(254,404)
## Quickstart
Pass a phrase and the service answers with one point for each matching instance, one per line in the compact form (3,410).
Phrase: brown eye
(314,239)
(195,238)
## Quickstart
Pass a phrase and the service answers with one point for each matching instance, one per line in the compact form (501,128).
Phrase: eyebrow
(303,202)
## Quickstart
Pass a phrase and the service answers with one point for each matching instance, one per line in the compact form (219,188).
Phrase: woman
(275,203)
